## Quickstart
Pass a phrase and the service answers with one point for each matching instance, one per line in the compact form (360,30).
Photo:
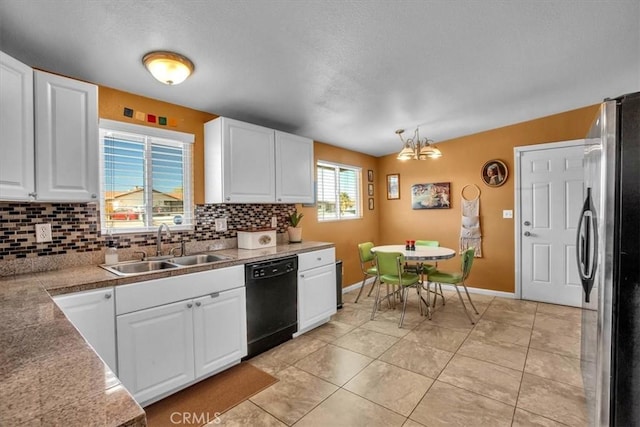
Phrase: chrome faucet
(159,238)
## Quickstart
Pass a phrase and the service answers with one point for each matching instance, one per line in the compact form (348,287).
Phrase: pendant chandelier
(416,148)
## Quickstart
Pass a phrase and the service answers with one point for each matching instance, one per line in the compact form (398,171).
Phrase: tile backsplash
(76,231)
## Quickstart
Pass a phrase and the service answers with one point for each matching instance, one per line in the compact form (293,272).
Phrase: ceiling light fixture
(416,148)
(168,67)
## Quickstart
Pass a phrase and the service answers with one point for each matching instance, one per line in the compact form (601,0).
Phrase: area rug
(203,402)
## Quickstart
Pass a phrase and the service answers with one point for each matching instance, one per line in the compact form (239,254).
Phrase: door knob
(198,304)
(526,233)
(527,223)
(189,305)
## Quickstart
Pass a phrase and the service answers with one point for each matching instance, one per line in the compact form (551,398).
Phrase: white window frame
(359,203)
(169,138)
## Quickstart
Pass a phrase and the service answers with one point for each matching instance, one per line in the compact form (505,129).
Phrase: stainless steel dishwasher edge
(272,303)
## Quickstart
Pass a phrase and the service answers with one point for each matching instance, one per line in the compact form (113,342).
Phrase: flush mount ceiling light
(168,67)
(416,148)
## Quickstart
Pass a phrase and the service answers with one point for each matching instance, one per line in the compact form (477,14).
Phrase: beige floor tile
(369,343)
(521,306)
(330,331)
(294,395)
(446,405)
(554,367)
(452,316)
(503,354)
(388,327)
(435,336)
(352,316)
(416,357)
(246,414)
(268,363)
(501,332)
(512,317)
(523,418)
(346,409)
(556,324)
(487,379)
(334,364)
(296,349)
(389,386)
(364,301)
(551,399)
(567,345)
(572,314)
(411,423)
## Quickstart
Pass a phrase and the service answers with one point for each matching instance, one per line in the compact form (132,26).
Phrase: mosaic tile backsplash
(76,227)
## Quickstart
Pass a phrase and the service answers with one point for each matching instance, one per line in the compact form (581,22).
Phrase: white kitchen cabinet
(177,330)
(155,349)
(93,314)
(66,135)
(294,169)
(317,299)
(16,129)
(48,136)
(246,163)
(220,330)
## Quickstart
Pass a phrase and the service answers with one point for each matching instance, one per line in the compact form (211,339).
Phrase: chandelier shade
(417,149)
(168,67)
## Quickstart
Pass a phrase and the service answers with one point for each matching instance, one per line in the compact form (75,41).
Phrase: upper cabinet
(50,151)
(16,129)
(246,163)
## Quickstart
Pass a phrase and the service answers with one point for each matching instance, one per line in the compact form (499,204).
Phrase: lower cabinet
(163,348)
(317,299)
(93,314)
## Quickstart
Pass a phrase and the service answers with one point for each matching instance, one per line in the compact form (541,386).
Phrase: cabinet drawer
(309,260)
(152,293)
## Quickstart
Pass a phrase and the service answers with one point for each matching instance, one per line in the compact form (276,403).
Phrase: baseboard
(357,285)
(482,291)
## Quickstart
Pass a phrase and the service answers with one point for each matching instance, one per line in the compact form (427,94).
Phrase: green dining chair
(391,271)
(431,268)
(367,265)
(457,279)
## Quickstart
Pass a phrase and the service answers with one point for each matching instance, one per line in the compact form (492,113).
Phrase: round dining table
(420,255)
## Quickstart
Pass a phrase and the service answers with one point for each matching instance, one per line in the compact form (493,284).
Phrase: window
(338,192)
(145,178)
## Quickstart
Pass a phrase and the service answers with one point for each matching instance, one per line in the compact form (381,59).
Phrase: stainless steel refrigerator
(608,252)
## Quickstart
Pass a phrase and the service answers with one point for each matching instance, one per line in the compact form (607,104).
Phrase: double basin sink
(130,268)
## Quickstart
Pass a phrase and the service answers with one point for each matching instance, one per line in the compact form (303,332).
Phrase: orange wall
(111,104)
(460,165)
(345,234)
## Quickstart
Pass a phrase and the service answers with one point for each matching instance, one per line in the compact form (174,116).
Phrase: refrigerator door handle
(587,246)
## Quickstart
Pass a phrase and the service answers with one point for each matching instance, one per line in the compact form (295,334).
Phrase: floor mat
(203,402)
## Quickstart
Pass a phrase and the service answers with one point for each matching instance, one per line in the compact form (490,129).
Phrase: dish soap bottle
(111,254)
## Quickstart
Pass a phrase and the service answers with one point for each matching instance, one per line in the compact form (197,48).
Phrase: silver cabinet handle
(302,275)
(198,304)
(227,198)
(94,196)
(319,259)
(107,296)
(189,305)
(527,223)
(215,295)
(526,233)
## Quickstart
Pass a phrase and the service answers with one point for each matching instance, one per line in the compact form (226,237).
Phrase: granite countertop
(49,375)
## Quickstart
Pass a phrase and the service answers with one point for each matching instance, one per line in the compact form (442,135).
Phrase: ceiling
(348,73)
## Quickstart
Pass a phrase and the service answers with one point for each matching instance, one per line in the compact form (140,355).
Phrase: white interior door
(551,196)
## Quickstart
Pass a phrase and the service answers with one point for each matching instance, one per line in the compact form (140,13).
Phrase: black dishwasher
(272,303)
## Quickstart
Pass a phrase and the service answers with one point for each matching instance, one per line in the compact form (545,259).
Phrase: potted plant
(295,232)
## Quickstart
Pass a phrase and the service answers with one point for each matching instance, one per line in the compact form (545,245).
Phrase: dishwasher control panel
(272,268)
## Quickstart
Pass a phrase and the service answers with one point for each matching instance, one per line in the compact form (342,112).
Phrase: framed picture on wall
(430,196)
(393,186)
(370,175)
(494,173)
(370,204)
(370,186)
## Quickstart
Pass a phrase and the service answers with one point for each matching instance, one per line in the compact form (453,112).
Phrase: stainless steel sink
(138,267)
(197,259)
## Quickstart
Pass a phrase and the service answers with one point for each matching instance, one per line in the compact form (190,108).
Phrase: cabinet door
(16,129)
(155,349)
(248,163)
(66,135)
(93,314)
(317,297)
(294,169)
(220,330)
